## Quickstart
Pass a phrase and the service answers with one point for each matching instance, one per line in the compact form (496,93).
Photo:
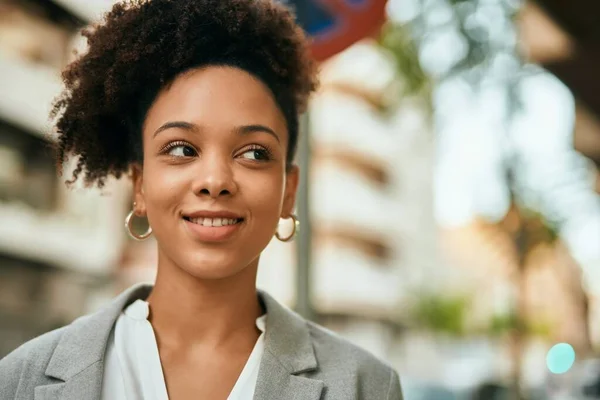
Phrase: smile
(214,222)
(212,230)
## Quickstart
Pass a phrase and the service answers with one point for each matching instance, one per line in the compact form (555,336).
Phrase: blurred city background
(450,204)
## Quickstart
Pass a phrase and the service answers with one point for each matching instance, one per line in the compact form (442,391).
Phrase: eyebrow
(242,130)
(247,129)
(176,124)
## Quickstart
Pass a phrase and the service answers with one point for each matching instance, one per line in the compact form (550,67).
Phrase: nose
(214,178)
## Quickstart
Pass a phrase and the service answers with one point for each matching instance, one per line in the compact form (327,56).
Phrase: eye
(179,149)
(256,153)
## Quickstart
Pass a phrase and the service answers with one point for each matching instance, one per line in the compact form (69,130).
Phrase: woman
(199,100)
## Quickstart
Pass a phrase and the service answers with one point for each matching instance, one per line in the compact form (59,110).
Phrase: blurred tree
(481,32)
(396,39)
(485,46)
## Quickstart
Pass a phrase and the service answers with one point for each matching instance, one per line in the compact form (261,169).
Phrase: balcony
(27,94)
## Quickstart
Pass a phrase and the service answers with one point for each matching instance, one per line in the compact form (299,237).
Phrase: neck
(186,310)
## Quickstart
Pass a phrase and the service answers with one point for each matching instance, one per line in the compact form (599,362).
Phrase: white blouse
(132,369)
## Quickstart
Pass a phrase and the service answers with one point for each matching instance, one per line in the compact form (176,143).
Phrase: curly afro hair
(143,45)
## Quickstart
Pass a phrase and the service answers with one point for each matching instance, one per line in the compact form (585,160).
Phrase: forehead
(217,97)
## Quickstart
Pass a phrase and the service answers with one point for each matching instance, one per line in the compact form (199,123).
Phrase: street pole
(303,240)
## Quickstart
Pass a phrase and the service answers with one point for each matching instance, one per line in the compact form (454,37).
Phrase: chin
(207,273)
(213,267)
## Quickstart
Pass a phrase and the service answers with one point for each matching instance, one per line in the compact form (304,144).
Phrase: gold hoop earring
(294,232)
(130,231)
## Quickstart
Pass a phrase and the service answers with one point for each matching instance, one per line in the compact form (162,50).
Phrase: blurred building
(373,239)
(563,38)
(57,246)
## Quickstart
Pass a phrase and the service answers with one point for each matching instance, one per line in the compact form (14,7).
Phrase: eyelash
(165,149)
(267,151)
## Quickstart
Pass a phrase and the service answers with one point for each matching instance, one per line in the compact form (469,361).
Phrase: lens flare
(560,358)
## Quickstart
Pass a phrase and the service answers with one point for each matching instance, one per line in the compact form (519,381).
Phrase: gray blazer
(301,360)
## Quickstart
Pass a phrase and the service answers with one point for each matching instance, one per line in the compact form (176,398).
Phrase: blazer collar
(288,352)
(84,342)
(78,359)
(287,337)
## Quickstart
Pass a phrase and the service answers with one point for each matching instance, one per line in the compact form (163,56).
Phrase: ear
(137,177)
(291,188)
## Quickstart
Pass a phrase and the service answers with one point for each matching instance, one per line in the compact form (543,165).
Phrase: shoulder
(70,348)
(346,370)
(30,359)
(342,360)
(333,348)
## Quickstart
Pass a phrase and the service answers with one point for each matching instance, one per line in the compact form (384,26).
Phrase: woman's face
(214,184)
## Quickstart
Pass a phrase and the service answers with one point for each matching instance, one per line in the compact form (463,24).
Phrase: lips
(212,214)
(212,226)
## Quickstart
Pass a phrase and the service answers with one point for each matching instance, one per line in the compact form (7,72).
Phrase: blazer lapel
(85,385)
(276,382)
(288,353)
(77,363)
(49,392)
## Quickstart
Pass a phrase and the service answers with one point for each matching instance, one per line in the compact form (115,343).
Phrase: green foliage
(447,314)
(506,323)
(538,229)
(486,53)
(397,40)
(441,313)
(539,328)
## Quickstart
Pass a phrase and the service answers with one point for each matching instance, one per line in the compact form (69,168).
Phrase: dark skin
(228,142)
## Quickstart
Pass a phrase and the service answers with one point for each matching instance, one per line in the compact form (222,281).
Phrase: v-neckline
(140,334)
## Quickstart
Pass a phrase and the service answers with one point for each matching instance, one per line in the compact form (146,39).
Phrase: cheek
(162,190)
(265,194)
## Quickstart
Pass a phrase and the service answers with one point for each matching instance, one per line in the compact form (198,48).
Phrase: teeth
(210,222)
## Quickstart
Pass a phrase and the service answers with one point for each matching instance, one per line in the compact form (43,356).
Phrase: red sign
(336,24)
